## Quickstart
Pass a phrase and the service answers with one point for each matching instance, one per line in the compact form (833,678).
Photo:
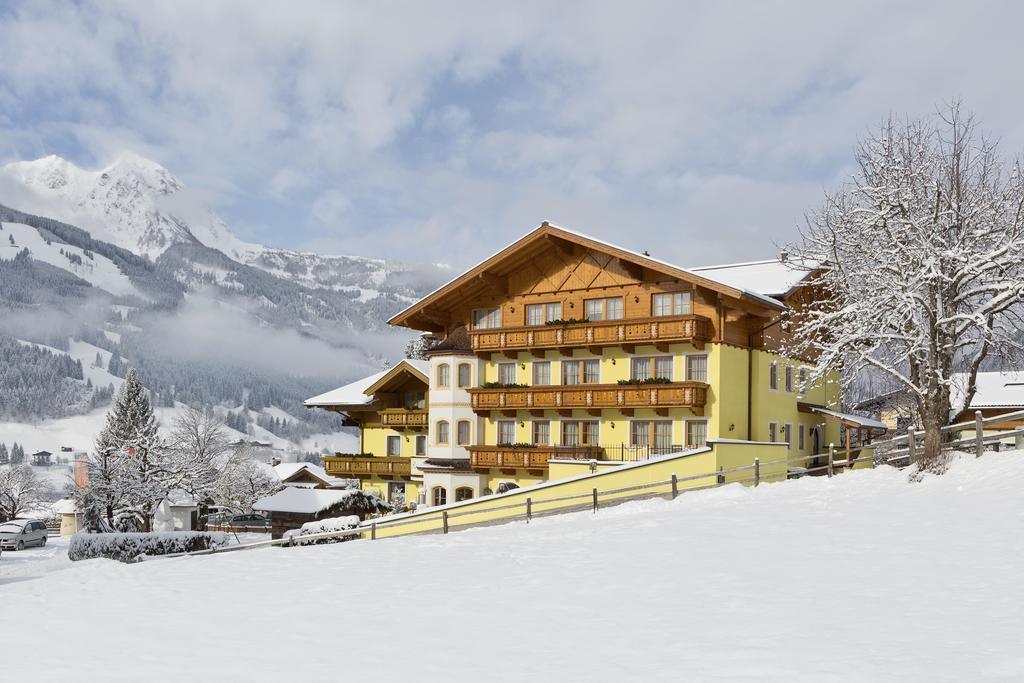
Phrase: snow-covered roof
(285,470)
(65,506)
(867,422)
(354,393)
(304,501)
(994,389)
(770,278)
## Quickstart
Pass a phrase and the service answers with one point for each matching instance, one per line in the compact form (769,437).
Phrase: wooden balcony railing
(359,466)
(691,395)
(402,417)
(528,457)
(658,331)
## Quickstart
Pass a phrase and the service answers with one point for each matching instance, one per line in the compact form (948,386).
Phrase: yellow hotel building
(564,348)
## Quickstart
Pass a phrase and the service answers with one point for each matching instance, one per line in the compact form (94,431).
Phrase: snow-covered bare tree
(21,491)
(243,481)
(199,445)
(920,257)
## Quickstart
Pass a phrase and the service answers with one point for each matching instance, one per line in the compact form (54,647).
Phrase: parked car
(19,534)
(249,521)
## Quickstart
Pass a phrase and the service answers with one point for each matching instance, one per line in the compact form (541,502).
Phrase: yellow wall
(702,467)
(375,440)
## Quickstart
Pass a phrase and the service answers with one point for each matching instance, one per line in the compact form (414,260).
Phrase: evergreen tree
(4,455)
(17,454)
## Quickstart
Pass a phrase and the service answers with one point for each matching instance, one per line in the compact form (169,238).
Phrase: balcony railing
(402,417)
(691,395)
(529,457)
(537,457)
(662,330)
(358,466)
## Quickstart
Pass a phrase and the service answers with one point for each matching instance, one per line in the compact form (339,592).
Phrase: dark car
(251,520)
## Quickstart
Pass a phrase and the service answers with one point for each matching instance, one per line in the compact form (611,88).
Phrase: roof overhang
(848,419)
(486,275)
(403,369)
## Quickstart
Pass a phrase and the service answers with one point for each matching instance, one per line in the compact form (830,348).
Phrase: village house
(563,349)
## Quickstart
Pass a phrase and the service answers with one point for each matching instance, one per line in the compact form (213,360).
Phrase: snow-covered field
(859,577)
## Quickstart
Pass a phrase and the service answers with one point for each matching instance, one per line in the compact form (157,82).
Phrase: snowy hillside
(860,577)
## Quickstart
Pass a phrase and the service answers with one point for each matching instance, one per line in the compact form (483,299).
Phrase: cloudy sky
(698,131)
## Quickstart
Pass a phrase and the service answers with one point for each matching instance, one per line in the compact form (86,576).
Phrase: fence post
(373,531)
(979,434)
(911,445)
(675,486)
(444,521)
(595,500)
(831,458)
(757,471)
(529,510)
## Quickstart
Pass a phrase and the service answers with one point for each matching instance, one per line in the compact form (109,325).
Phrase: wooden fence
(447,516)
(902,449)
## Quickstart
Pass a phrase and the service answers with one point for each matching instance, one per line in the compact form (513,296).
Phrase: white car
(19,534)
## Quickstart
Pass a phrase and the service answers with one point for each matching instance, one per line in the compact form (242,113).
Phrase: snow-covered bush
(131,547)
(322,526)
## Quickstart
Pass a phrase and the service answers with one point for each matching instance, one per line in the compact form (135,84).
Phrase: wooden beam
(661,412)
(565,351)
(496,282)
(595,350)
(698,411)
(628,348)
(536,413)
(594,412)
(634,270)
(564,412)
(538,353)
(628,412)
(662,347)
(559,244)
(509,413)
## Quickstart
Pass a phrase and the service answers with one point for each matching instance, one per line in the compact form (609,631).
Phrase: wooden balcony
(402,418)
(592,397)
(527,457)
(660,332)
(363,466)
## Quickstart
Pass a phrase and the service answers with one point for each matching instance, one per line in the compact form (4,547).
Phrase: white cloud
(453,127)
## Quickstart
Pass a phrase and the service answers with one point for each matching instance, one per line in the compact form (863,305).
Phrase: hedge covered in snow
(322,526)
(130,547)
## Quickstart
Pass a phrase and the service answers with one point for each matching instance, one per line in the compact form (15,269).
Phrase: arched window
(462,433)
(463,493)
(444,372)
(465,377)
(439,495)
(442,432)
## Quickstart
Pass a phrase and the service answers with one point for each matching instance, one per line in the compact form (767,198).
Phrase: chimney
(784,256)
(275,461)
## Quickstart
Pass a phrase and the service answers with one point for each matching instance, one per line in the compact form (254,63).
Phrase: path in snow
(859,577)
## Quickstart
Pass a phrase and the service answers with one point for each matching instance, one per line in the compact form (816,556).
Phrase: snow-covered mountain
(126,262)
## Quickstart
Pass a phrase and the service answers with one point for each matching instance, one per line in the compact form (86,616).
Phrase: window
(462,433)
(654,434)
(787,435)
(541,433)
(442,432)
(394,445)
(421,444)
(696,433)
(542,372)
(788,375)
(801,438)
(439,495)
(651,367)
(415,400)
(773,432)
(486,318)
(581,371)
(773,376)
(802,382)
(579,432)
(697,368)
(507,373)
(538,314)
(678,303)
(444,372)
(463,493)
(506,432)
(465,377)
(603,309)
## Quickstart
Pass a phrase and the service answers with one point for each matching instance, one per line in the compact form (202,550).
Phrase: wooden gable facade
(553,266)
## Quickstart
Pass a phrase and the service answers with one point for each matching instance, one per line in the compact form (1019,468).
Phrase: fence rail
(594,500)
